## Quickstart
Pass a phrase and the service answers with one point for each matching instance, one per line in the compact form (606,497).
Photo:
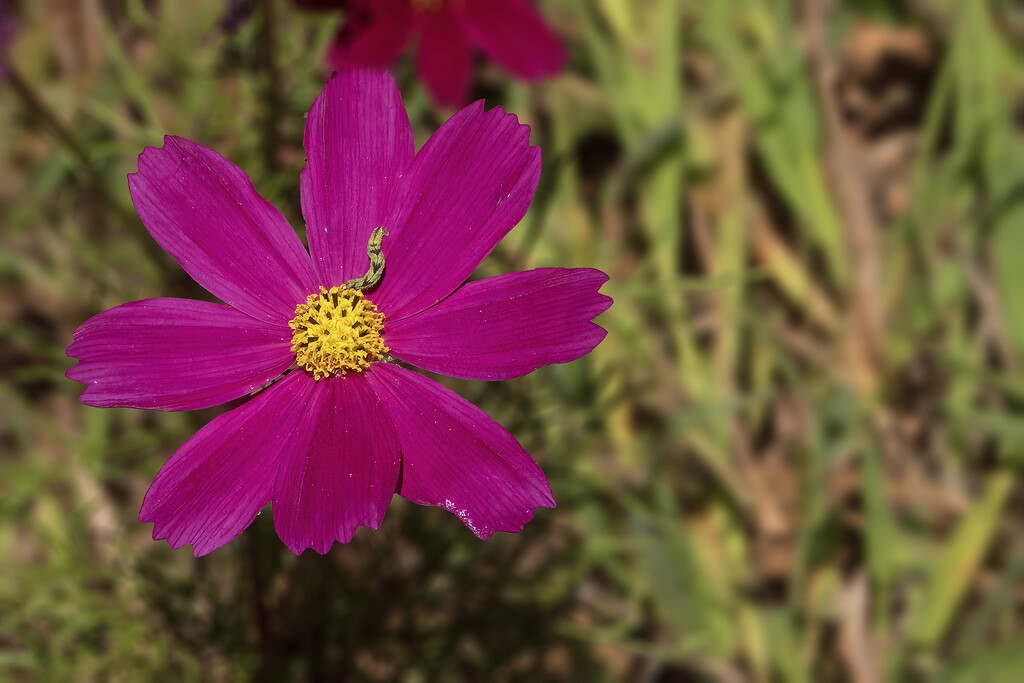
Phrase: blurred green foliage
(794,458)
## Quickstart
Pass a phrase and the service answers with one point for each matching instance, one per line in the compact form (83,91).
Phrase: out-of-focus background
(795,457)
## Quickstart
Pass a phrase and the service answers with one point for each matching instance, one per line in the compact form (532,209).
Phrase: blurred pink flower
(8,30)
(334,426)
(510,32)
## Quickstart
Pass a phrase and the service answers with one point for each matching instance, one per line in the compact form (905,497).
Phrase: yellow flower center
(337,330)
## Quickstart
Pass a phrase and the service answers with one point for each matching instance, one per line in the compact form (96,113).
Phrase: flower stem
(35,105)
(271,84)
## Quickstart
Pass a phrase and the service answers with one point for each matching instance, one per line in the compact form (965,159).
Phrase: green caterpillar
(376,271)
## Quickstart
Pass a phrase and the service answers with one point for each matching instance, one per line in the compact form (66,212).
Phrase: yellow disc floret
(337,330)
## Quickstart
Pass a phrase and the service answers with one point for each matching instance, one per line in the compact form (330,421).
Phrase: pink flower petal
(443,60)
(205,212)
(342,474)
(505,326)
(456,457)
(214,485)
(467,187)
(373,35)
(175,354)
(513,34)
(358,141)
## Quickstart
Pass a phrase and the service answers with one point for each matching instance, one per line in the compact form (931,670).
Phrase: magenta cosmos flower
(447,32)
(341,426)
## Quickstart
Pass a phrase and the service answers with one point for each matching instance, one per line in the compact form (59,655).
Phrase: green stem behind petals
(94,177)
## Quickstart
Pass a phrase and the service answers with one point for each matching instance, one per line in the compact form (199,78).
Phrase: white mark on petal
(462,514)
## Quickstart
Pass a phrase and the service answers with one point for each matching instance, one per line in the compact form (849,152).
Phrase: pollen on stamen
(337,331)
